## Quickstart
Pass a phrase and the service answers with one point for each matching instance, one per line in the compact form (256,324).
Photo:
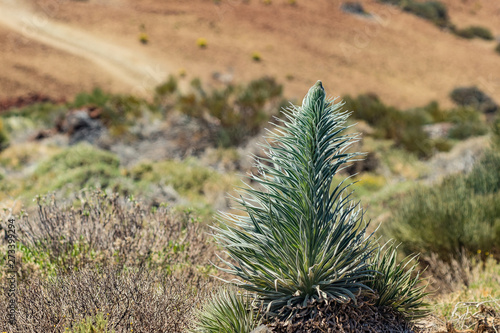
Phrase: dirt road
(132,68)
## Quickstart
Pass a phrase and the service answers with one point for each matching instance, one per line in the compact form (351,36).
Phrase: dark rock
(81,127)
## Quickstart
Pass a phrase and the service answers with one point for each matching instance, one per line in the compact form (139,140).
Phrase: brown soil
(74,45)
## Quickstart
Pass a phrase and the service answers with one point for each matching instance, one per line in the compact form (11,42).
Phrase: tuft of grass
(476,292)
(143,38)
(256,56)
(97,323)
(202,42)
(227,311)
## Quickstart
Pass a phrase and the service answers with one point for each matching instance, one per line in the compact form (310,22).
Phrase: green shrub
(434,11)
(97,98)
(256,56)
(467,122)
(118,112)
(302,241)
(4,138)
(475,31)
(460,214)
(485,177)
(404,128)
(227,311)
(392,2)
(496,133)
(497,48)
(434,112)
(464,33)
(97,323)
(473,97)
(166,89)
(42,114)
(240,111)
(79,166)
(143,38)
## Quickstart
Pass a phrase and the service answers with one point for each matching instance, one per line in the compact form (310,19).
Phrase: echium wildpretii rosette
(303,238)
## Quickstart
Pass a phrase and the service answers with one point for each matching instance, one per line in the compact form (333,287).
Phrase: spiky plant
(228,311)
(301,239)
(396,283)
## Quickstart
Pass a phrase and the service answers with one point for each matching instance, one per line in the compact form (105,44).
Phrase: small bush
(256,56)
(97,323)
(239,111)
(101,229)
(40,114)
(467,122)
(143,38)
(473,97)
(392,2)
(201,42)
(405,128)
(434,11)
(475,31)
(496,133)
(117,112)
(4,138)
(97,98)
(80,166)
(109,298)
(497,48)
(461,214)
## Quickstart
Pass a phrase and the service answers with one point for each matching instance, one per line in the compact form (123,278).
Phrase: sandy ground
(59,47)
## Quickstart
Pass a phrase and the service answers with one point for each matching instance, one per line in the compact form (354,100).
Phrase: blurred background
(164,102)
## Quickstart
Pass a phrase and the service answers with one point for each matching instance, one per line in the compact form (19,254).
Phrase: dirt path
(132,67)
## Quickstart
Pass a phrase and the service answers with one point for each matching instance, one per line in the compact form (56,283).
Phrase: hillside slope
(405,59)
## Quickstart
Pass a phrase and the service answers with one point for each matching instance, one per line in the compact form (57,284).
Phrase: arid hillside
(60,47)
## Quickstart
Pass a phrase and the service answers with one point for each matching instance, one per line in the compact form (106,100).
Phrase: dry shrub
(138,300)
(449,276)
(106,229)
(331,316)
